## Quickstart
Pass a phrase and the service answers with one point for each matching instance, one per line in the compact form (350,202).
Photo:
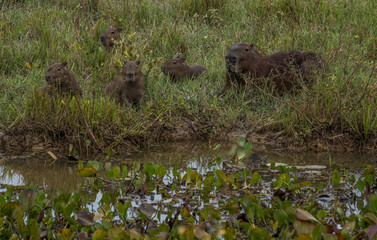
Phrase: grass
(34,33)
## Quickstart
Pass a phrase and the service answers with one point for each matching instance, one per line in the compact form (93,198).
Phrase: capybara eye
(58,69)
(246,49)
(112,32)
(174,62)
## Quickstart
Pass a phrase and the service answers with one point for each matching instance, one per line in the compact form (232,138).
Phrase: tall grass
(34,33)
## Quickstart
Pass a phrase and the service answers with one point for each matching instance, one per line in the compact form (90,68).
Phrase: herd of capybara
(284,70)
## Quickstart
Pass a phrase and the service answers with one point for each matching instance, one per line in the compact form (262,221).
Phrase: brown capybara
(129,85)
(109,36)
(46,90)
(284,68)
(178,69)
(62,80)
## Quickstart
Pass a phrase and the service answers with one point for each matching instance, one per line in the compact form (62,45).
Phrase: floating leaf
(372,231)
(335,177)
(8,208)
(87,172)
(94,164)
(99,235)
(85,218)
(147,209)
(304,215)
(27,198)
(303,227)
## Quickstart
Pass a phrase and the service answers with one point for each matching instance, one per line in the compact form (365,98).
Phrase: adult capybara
(129,85)
(284,68)
(109,36)
(61,80)
(178,69)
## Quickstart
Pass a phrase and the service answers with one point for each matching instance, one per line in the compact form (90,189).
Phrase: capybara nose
(231,58)
(130,75)
(102,39)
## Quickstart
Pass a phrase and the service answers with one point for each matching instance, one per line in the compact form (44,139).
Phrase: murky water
(41,170)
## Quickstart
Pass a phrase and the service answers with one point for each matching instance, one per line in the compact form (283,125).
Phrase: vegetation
(237,198)
(34,33)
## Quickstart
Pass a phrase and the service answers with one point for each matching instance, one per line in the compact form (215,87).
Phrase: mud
(187,130)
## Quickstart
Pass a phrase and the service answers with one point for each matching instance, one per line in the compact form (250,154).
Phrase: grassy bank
(33,33)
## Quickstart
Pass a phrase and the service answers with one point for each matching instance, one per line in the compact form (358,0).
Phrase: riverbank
(337,112)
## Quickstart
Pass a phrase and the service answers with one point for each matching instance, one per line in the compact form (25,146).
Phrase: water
(39,169)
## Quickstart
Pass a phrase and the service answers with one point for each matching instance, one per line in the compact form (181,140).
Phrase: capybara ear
(125,62)
(120,29)
(177,57)
(182,59)
(138,62)
(251,46)
(52,61)
(64,63)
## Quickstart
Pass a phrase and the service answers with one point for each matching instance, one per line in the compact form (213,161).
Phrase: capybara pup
(109,36)
(129,85)
(62,80)
(178,69)
(284,68)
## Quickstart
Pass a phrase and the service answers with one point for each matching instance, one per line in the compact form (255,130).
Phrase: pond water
(41,170)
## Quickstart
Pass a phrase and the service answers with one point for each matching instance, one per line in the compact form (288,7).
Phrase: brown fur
(46,90)
(284,68)
(109,36)
(61,80)
(177,69)
(129,85)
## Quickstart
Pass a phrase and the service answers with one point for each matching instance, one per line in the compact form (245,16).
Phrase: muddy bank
(186,130)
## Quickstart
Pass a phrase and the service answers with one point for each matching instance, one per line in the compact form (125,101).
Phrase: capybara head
(176,67)
(108,37)
(239,57)
(131,70)
(56,73)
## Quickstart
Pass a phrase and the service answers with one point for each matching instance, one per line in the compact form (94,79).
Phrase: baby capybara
(109,36)
(129,85)
(177,69)
(284,68)
(61,81)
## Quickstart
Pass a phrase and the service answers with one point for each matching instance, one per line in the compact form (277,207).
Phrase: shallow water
(39,169)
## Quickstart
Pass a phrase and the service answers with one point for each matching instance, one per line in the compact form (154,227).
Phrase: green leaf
(335,177)
(99,235)
(116,171)
(87,172)
(248,147)
(94,164)
(80,165)
(254,178)
(124,172)
(221,176)
(161,171)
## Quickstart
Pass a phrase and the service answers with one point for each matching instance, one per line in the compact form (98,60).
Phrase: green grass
(38,32)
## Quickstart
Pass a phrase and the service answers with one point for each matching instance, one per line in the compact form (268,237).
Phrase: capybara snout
(131,69)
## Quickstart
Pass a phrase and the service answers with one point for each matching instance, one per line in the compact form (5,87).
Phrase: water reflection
(61,176)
